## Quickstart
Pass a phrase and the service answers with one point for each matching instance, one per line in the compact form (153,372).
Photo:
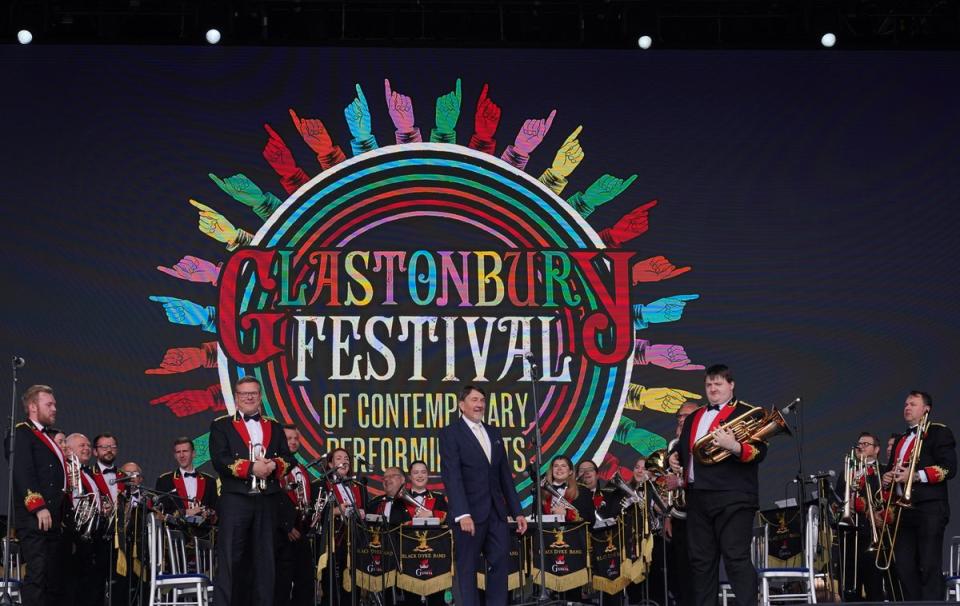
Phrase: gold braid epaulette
(33,501)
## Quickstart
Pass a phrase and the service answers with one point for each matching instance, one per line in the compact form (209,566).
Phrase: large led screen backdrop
(365,230)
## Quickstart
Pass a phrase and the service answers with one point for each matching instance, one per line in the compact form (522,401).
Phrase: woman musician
(561,494)
(350,501)
(429,504)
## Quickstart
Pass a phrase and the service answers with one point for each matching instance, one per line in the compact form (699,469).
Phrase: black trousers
(677,564)
(247,524)
(919,550)
(295,571)
(869,579)
(42,552)
(720,522)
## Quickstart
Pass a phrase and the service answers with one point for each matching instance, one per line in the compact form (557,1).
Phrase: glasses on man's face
(248,394)
(865,444)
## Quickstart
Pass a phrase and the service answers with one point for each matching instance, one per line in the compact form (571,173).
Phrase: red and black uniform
(349,495)
(583,508)
(919,548)
(174,483)
(722,500)
(869,578)
(39,482)
(247,520)
(434,501)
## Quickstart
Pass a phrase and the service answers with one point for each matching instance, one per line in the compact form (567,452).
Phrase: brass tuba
(755,425)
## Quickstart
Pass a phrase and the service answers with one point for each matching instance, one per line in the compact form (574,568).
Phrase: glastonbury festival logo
(366,295)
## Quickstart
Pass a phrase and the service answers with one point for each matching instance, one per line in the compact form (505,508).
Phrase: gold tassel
(121,556)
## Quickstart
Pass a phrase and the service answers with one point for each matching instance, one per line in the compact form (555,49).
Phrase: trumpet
(404,496)
(555,494)
(257,485)
(303,502)
(755,425)
(885,560)
(318,507)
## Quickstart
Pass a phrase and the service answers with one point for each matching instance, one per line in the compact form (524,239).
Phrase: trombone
(905,501)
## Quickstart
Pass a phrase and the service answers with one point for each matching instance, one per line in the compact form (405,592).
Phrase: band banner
(638,543)
(611,569)
(516,561)
(426,560)
(784,539)
(565,555)
(377,552)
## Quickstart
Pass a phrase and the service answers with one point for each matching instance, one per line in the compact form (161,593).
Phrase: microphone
(789,407)
(18,362)
(822,475)
(318,460)
(124,478)
(361,460)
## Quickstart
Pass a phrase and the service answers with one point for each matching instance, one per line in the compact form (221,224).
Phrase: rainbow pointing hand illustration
(603,190)
(400,108)
(246,192)
(447,114)
(188,313)
(194,269)
(666,309)
(357,115)
(568,158)
(661,399)
(318,138)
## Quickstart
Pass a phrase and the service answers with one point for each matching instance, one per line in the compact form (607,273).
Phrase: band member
(60,438)
(192,493)
(387,504)
(85,576)
(432,504)
(39,483)
(722,499)
(566,499)
(295,566)
(250,453)
(481,495)
(105,469)
(350,505)
(605,501)
(858,538)
(919,541)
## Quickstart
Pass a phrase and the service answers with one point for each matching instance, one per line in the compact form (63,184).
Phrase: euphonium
(86,506)
(257,485)
(755,425)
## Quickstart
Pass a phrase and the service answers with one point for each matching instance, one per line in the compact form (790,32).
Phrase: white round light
(213,36)
(645,42)
(24,36)
(828,40)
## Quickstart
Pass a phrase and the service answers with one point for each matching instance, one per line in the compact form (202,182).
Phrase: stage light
(828,40)
(213,36)
(24,36)
(645,42)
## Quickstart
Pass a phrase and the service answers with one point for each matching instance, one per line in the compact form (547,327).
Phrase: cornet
(257,485)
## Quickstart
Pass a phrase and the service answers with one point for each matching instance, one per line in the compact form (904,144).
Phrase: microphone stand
(543,598)
(6,599)
(797,410)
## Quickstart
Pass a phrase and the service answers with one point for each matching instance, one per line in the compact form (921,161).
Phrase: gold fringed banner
(611,569)
(565,556)
(376,562)
(426,560)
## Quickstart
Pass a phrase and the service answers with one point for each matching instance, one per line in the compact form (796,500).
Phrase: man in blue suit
(481,494)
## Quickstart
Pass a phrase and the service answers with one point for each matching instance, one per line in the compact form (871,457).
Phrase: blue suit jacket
(474,485)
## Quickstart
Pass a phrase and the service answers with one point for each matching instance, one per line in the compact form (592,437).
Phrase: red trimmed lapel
(266,427)
(101,483)
(697,414)
(241,428)
(181,485)
(723,415)
(201,486)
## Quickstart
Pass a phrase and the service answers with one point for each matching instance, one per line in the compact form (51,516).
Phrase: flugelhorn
(555,494)
(755,425)
(405,496)
(257,452)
